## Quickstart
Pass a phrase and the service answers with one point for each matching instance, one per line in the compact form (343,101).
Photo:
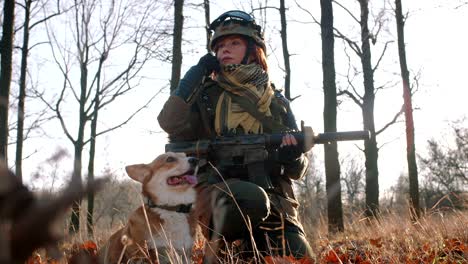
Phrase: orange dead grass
(436,238)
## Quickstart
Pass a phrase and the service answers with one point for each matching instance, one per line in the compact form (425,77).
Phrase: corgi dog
(165,226)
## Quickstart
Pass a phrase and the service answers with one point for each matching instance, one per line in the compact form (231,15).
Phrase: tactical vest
(284,204)
(208,98)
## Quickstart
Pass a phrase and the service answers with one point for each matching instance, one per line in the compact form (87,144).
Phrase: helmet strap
(248,51)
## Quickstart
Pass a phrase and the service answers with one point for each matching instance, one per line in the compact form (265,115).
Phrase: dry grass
(436,238)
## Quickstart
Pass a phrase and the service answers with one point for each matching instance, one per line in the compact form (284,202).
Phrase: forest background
(127,50)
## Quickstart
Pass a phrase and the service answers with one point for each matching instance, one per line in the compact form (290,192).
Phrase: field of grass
(436,238)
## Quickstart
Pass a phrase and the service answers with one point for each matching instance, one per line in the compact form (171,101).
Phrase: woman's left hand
(288,140)
(289,150)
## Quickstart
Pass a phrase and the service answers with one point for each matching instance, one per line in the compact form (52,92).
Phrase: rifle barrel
(327,137)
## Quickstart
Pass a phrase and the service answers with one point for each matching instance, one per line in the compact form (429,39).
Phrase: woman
(227,95)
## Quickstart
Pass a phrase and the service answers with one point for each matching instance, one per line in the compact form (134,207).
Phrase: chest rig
(244,161)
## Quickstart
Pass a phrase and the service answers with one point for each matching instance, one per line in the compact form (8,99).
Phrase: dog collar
(180,208)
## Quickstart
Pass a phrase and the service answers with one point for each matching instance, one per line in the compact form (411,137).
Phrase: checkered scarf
(249,81)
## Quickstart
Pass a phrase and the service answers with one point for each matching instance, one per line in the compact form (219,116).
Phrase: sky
(436,47)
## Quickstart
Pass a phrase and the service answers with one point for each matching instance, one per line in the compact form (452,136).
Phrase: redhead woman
(229,94)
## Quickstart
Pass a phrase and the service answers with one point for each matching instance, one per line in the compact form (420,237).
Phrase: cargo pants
(240,211)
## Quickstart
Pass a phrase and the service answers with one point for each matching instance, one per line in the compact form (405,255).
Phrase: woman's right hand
(189,86)
(209,62)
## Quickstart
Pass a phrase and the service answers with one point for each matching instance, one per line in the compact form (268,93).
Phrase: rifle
(251,150)
(305,138)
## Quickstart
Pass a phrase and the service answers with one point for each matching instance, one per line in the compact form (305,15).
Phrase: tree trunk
(370,146)
(332,166)
(410,146)
(74,226)
(92,147)
(6,50)
(22,92)
(177,43)
(206,7)
(88,35)
(79,143)
(92,154)
(284,41)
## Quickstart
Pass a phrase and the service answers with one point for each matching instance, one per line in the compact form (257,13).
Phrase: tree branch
(350,95)
(393,121)
(308,12)
(347,10)
(350,81)
(381,55)
(351,43)
(129,118)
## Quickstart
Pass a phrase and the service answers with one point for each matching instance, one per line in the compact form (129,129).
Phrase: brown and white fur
(167,186)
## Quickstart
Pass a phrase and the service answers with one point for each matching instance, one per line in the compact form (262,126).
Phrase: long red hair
(259,57)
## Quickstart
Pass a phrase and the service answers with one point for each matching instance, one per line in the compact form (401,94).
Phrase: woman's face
(231,49)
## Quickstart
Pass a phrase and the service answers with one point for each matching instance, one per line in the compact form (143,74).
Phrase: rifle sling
(267,121)
(204,117)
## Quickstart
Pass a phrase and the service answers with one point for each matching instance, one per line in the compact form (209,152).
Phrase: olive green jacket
(193,119)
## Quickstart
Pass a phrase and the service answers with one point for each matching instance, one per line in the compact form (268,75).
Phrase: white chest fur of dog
(175,232)
(167,185)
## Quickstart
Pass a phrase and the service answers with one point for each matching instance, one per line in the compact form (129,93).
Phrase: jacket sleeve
(296,169)
(175,118)
(179,116)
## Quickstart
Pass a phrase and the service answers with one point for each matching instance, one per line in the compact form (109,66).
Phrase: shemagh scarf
(249,81)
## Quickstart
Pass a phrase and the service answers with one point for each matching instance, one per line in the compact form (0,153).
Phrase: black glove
(289,154)
(209,62)
(188,86)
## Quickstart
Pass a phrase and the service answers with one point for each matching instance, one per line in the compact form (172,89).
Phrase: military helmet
(236,22)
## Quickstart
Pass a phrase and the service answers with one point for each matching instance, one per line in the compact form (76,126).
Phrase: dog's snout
(193,161)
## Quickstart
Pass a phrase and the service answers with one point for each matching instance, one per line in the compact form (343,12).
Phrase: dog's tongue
(192,179)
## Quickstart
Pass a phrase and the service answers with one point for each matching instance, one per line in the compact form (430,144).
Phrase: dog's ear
(138,172)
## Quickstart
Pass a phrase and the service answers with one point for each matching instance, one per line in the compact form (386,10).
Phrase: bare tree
(6,54)
(409,122)
(399,195)
(353,179)
(311,195)
(29,6)
(206,8)
(284,40)
(286,56)
(332,165)
(122,29)
(177,43)
(371,151)
(366,100)
(445,166)
(22,91)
